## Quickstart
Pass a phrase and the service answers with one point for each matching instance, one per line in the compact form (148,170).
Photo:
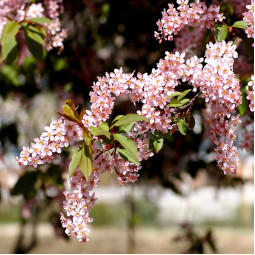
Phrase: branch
(192,102)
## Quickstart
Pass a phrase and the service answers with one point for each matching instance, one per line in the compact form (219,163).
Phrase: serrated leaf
(9,32)
(183,94)
(182,127)
(240,24)
(75,161)
(129,118)
(70,103)
(117,118)
(184,101)
(156,141)
(85,164)
(177,93)
(104,126)
(10,51)
(35,48)
(108,141)
(98,131)
(67,110)
(125,154)
(40,20)
(126,127)
(128,145)
(65,116)
(35,35)
(220,32)
(41,29)
(175,103)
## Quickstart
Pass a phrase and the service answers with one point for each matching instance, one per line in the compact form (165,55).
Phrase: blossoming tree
(118,144)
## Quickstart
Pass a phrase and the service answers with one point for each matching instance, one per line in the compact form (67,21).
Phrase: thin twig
(188,105)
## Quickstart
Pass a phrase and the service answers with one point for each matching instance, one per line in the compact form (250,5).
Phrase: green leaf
(129,118)
(35,48)
(70,111)
(125,154)
(34,28)
(183,94)
(98,131)
(182,127)
(35,35)
(184,101)
(9,31)
(243,107)
(10,51)
(175,103)
(117,118)
(156,141)
(128,145)
(126,127)
(240,24)
(104,126)
(237,78)
(85,163)
(75,161)
(40,20)
(70,103)
(177,93)
(220,32)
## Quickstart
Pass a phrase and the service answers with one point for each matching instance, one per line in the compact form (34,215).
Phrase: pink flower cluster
(217,83)
(195,14)
(221,90)
(249,18)
(250,93)
(56,136)
(20,10)
(78,203)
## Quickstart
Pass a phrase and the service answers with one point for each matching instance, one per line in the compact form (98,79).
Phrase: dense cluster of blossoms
(195,14)
(19,10)
(212,77)
(215,80)
(78,203)
(56,136)
(249,18)
(222,92)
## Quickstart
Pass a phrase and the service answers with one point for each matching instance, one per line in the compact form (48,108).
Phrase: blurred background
(182,202)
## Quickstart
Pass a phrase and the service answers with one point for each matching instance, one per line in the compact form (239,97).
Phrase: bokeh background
(182,202)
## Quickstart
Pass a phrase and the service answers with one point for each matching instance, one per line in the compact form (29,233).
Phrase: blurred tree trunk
(130,223)
(21,247)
